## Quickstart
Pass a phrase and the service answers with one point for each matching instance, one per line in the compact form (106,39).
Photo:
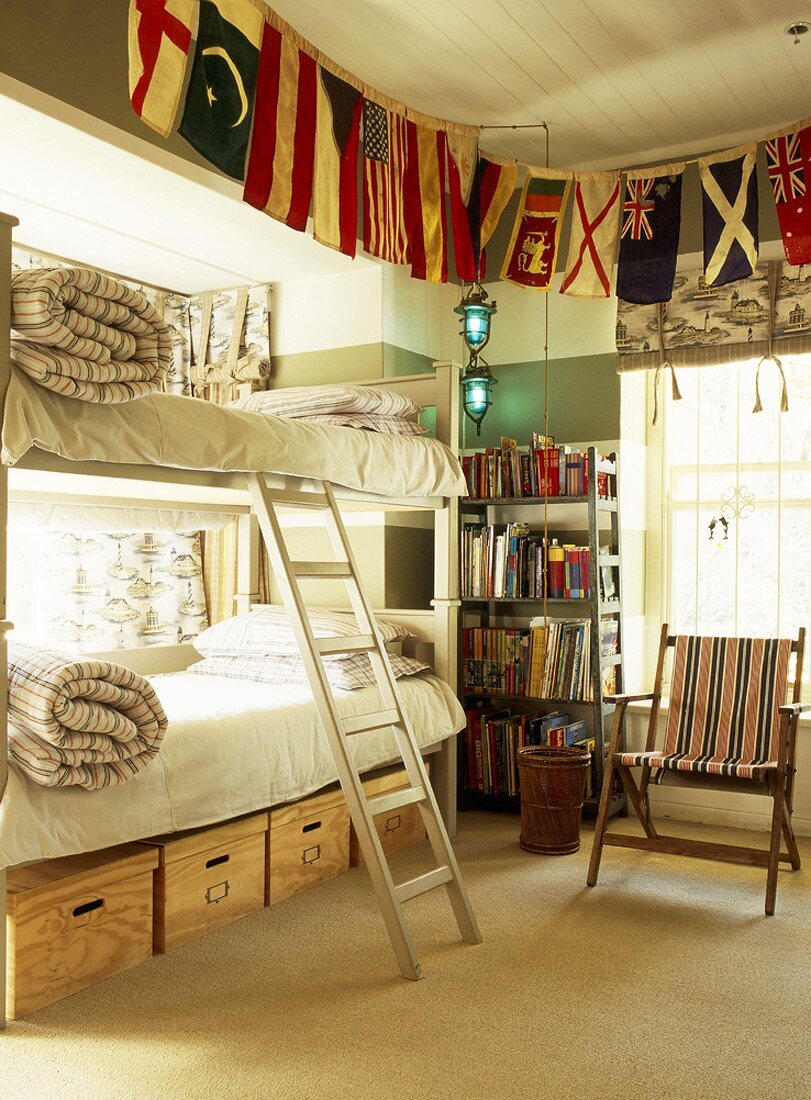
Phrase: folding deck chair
(728,727)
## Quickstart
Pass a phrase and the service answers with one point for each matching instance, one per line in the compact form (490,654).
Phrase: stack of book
(493,737)
(541,469)
(511,563)
(546,661)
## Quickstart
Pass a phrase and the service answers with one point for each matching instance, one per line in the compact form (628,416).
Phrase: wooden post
(247,563)
(6,225)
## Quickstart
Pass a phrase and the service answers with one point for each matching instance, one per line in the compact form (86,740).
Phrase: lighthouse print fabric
(649,236)
(729,196)
(788,161)
(593,240)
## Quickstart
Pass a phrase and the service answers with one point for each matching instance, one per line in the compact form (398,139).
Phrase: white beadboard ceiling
(619,83)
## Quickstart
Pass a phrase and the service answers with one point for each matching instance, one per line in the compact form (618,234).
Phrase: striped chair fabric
(723,715)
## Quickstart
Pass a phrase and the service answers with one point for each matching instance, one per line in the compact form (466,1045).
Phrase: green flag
(219,100)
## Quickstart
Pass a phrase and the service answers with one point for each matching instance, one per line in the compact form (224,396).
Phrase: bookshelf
(503,572)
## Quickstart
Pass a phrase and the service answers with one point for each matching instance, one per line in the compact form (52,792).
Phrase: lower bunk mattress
(232,747)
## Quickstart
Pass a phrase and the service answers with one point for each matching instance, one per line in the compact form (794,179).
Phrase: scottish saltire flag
(280,168)
(649,237)
(593,240)
(788,160)
(219,100)
(159,40)
(531,254)
(729,195)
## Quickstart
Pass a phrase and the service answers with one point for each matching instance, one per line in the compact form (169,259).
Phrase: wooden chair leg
(774,846)
(638,802)
(791,842)
(602,821)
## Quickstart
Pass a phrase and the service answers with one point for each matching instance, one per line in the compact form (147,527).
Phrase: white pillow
(267,630)
(302,401)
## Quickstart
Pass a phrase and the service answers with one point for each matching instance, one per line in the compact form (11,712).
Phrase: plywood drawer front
(63,940)
(307,851)
(396,828)
(206,889)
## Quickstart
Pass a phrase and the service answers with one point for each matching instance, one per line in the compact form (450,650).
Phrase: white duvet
(231,748)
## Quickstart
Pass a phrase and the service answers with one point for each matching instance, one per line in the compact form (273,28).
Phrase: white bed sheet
(232,747)
(183,433)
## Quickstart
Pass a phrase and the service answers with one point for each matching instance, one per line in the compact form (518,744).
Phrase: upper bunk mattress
(185,433)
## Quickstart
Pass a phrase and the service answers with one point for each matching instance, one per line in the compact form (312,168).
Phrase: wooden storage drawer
(74,921)
(308,842)
(207,878)
(397,828)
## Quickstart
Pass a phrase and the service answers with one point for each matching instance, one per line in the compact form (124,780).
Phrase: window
(736,502)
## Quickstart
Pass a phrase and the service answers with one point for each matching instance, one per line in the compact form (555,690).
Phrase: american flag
(637,207)
(784,158)
(384,162)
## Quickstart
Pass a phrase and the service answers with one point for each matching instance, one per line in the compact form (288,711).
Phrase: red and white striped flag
(280,169)
(384,164)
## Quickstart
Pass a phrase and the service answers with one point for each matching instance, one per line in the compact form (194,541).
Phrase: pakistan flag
(219,100)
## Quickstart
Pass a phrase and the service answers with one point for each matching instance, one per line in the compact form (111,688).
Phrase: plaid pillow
(267,630)
(299,401)
(347,675)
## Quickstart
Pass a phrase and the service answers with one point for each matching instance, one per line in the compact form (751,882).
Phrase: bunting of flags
(265,107)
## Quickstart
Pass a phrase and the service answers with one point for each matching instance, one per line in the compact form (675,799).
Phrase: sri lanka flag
(788,159)
(533,248)
(649,235)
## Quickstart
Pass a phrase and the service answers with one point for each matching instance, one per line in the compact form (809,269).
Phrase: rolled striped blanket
(86,335)
(79,722)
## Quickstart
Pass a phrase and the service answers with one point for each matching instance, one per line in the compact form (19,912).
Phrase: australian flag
(649,239)
(730,198)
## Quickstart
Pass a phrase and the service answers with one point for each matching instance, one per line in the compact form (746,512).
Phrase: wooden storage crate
(207,878)
(74,921)
(308,842)
(396,828)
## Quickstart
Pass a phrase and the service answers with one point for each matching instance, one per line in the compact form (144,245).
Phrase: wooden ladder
(319,496)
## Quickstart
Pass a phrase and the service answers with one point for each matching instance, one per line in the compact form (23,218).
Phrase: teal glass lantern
(477,387)
(475,311)
(477,381)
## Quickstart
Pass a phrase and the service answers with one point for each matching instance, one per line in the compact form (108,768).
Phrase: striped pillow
(355,672)
(304,401)
(389,425)
(267,630)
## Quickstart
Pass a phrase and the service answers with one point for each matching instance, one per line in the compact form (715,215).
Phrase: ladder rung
(423,883)
(297,498)
(361,642)
(321,568)
(396,800)
(375,720)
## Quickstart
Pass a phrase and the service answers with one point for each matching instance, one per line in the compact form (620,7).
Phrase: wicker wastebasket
(552,783)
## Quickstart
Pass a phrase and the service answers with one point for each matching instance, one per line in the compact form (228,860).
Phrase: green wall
(584,401)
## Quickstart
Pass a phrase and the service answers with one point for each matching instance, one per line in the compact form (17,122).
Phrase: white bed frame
(88,482)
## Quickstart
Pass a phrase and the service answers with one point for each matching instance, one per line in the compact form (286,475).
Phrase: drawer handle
(217,860)
(311,855)
(393,823)
(309,828)
(88,907)
(215,894)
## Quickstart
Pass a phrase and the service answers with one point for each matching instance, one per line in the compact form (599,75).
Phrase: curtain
(763,317)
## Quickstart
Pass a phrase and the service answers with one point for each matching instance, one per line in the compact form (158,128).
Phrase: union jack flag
(637,207)
(785,162)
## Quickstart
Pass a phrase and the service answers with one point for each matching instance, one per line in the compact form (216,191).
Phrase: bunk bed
(143,451)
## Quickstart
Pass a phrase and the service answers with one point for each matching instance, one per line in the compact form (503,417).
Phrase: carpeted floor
(664,981)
